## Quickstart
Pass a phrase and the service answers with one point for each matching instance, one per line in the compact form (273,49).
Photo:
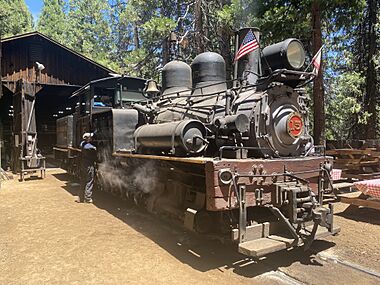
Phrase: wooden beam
(361,202)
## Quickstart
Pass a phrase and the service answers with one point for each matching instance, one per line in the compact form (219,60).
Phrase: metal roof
(80,90)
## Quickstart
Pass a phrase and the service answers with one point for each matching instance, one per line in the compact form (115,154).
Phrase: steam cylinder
(185,135)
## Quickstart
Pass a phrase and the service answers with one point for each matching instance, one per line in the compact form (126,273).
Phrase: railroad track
(346,271)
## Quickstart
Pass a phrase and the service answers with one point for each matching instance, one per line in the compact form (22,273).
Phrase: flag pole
(235,62)
(311,61)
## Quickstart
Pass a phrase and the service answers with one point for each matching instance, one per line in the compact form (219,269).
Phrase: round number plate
(295,125)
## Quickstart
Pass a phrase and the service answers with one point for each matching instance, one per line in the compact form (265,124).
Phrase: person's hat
(88,135)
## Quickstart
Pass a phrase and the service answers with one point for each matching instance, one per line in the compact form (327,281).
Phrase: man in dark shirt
(88,160)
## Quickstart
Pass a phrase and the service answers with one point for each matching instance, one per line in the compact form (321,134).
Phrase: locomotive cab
(103,107)
(111,92)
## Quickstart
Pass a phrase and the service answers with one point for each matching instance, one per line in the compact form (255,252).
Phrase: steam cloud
(142,178)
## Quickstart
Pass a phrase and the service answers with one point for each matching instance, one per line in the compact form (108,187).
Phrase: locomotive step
(263,246)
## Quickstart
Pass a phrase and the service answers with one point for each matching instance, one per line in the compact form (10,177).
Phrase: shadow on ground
(197,251)
(31,177)
(361,214)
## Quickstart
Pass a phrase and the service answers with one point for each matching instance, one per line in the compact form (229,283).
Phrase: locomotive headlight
(295,54)
(289,54)
(225,176)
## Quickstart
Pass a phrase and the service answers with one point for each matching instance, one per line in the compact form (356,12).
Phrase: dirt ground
(47,238)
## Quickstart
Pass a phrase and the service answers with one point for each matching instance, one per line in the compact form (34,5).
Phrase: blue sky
(34,7)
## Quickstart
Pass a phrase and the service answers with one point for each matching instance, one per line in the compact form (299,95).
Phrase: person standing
(88,160)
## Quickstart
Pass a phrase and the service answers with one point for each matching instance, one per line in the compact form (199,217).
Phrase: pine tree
(145,25)
(53,21)
(89,30)
(372,93)
(318,86)
(15,18)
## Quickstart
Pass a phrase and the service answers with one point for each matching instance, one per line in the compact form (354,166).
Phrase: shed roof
(38,34)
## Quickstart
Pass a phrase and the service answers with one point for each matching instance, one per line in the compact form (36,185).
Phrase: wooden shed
(64,71)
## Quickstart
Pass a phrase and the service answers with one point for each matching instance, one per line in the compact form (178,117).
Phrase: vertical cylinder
(248,66)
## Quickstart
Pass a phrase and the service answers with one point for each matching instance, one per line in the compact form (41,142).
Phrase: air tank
(185,136)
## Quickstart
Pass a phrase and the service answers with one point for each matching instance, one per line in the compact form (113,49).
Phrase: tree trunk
(225,35)
(136,39)
(165,13)
(371,78)
(1,72)
(225,49)
(199,27)
(318,88)
(166,51)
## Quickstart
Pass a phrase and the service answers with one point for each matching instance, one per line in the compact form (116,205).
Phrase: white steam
(127,178)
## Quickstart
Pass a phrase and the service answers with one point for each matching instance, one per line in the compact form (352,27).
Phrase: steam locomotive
(228,158)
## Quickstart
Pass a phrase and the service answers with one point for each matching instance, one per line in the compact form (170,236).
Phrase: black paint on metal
(176,74)
(276,56)
(208,67)
(180,137)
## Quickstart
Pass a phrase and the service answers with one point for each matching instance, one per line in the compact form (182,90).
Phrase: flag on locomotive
(248,45)
(316,61)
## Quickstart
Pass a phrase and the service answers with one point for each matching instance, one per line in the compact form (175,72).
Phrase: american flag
(316,61)
(248,45)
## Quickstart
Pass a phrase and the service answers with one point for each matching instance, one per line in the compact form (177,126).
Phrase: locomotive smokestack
(248,66)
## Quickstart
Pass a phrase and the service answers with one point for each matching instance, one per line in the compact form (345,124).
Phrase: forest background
(132,37)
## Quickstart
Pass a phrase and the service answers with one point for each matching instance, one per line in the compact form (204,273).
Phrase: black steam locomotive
(232,158)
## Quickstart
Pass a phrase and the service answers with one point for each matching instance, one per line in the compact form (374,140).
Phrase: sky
(34,7)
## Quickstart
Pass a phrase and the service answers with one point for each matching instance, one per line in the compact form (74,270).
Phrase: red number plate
(295,125)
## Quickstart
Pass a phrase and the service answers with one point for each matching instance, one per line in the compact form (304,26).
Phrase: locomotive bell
(173,36)
(151,88)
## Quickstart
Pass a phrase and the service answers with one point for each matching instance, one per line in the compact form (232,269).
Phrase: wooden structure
(64,72)
(361,201)
(25,154)
(370,196)
(357,163)
(63,66)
